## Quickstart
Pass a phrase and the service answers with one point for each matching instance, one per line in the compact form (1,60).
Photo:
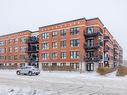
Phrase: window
(15,40)
(54,34)
(74,54)
(62,64)
(72,65)
(15,49)
(2,43)
(63,44)
(63,32)
(22,39)
(44,64)
(22,57)
(89,29)
(63,55)
(74,30)
(90,42)
(54,55)
(9,57)
(15,57)
(23,48)
(45,56)
(10,50)
(2,58)
(74,42)
(10,41)
(45,35)
(2,50)
(54,44)
(45,46)
(90,54)
(77,65)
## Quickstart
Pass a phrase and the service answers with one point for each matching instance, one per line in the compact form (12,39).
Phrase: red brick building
(83,44)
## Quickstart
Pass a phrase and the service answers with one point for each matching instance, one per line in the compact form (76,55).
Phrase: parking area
(61,83)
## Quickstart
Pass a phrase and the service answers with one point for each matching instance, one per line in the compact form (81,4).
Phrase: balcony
(106,38)
(93,59)
(106,58)
(106,49)
(33,40)
(31,50)
(93,31)
(91,46)
(93,34)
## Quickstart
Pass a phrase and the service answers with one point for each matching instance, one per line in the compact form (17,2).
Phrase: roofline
(34,31)
(118,43)
(63,22)
(108,31)
(15,33)
(94,19)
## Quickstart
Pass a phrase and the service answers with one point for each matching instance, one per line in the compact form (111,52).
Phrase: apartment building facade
(13,48)
(83,44)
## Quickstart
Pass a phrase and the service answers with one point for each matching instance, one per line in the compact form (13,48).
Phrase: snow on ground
(62,83)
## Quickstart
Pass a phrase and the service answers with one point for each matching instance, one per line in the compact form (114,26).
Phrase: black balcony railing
(31,50)
(93,31)
(93,59)
(106,38)
(32,40)
(93,34)
(106,58)
(91,46)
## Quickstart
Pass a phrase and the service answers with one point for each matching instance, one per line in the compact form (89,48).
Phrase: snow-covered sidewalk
(62,83)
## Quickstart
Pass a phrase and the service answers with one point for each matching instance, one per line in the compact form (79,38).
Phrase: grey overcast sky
(18,15)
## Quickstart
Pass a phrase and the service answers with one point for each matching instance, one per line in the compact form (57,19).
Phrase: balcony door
(90,30)
(90,66)
(90,42)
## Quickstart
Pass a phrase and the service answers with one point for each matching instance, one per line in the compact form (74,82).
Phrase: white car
(28,70)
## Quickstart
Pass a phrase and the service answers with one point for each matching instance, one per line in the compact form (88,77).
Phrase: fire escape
(32,51)
(93,46)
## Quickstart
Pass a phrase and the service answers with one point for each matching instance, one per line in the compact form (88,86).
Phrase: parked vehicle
(28,70)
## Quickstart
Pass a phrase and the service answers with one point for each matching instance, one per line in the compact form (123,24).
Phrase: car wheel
(18,72)
(30,73)
(37,74)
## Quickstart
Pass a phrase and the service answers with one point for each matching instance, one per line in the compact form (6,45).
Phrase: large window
(45,46)
(45,35)
(54,55)
(74,42)
(63,44)
(15,49)
(89,29)
(45,56)
(15,40)
(10,49)
(74,30)
(2,43)
(90,54)
(2,58)
(74,54)
(63,55)
(54,34)
(15,57)
(22,39)
(10,41)
(23,48)
(90,42)
(63,32)
(2,50)
(54,44)
(9,58)
(22,57)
